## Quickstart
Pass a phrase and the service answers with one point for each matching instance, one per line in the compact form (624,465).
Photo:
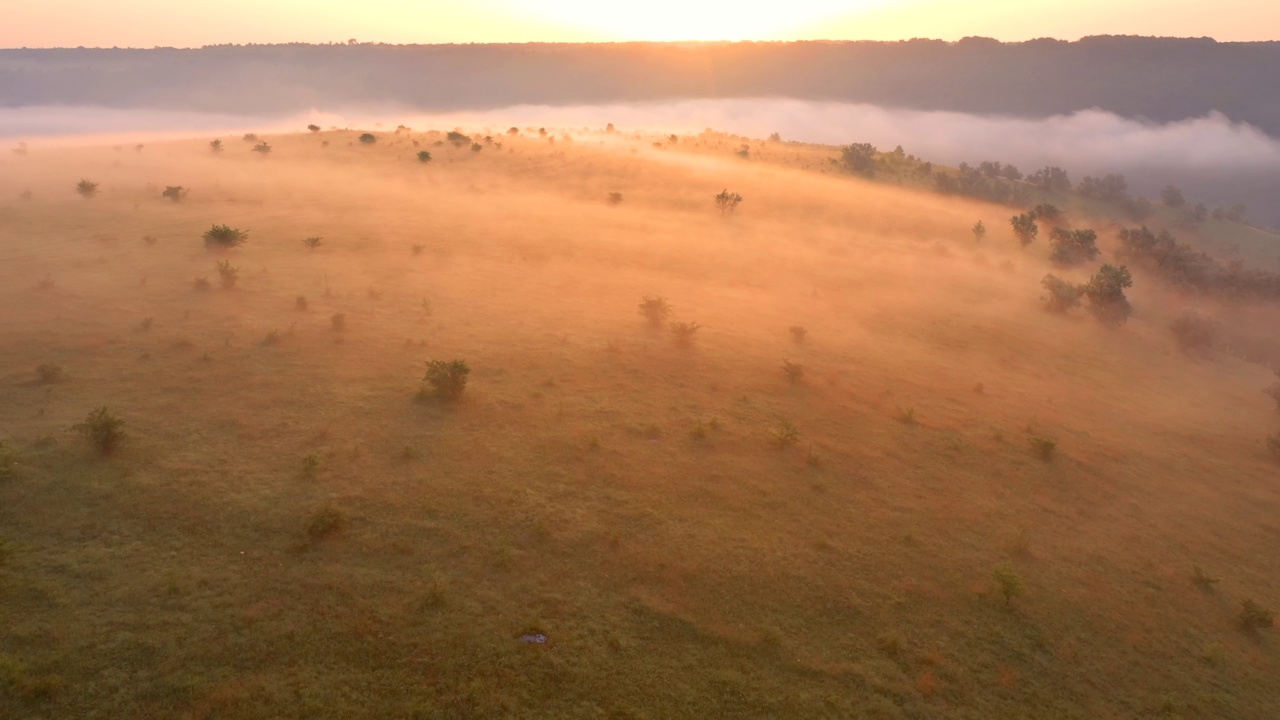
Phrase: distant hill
(1161,79)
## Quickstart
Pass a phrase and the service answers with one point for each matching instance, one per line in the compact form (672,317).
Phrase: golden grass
(677,572)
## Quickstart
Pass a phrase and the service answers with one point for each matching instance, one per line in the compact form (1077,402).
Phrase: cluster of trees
(988,181)
(1104,293)
(1181,265)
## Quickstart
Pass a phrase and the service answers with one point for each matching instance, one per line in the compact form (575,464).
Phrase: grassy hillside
(637,501)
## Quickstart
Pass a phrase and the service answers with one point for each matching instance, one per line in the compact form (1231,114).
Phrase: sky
(150,23)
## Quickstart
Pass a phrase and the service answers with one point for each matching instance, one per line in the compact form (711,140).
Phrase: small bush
(325,523)
(907,416)
(149,240)
(448,379)
(655,309)
(1008,583)
(457,139)
(424,156)
(368,139)
(201,284)
(215,146)
(175,193)
(1254,617)
(684,332)
(102,429)
(314,128)
(50,373)
(798,333)
(87,189)
(979,231)
(1043,447)
(1202,580)
(301,303)
(272,338)
(224,237)
(250,137)
(727,201)
(787,434)
(262,149)
(310,464)
(793,371)
(702,428)
(417,249)
(615,198)
(228,274)
(1193,331)
(338,321)
(312,242)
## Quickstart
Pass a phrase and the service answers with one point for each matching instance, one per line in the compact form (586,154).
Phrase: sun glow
(679,20)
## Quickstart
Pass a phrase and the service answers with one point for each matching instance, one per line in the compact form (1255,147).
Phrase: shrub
(338,321)
(1254,617)
(1048,212)
(301,303)
(314,128)
(224,237)
(262,149)
(859,159)
(1061,295)
(149,240)
(457,139)
(907,416)
(417,249)
(312,242)
(215,146)
(793,371)
(798,333)
(325,522)
(1202,580)
(201,284)
(476,147)
(368,139)
(310,464)
(1008,583)
(250,137)
(50,373)
(615,198)
(102,429)
(655,309)
(702,428)
(787,434)
(1043,447)
(1193,331)
(424,156)
(979,231)
(1024,226)
(272,338)
(727,202)
(1073,247)
(228,274)
(147,324)
(1105,291)
(684,331)
(87,189)
(174,192)
(448,378)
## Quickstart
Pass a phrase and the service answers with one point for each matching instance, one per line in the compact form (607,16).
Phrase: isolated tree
(228,274)
(224,237)
(314,128)
(1060,295)
(262,149)
(424,156)
(251,137)
(655,309)
(859,159)
(448,379)
(215,146)
(727,202)
(979,231)
(457,139)
(1105,292)
(615,198)
(1045,211)
(312,242)
(1024,226)
(1173,197)
(516,131)
(1008,583)
(174,192)
(476,147)
(1073,247)
(743,152)
(368,139)
(87,189)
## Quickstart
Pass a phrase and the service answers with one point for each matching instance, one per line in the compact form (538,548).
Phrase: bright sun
(675,20)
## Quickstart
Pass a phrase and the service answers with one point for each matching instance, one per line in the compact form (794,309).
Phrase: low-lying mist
(1213,159)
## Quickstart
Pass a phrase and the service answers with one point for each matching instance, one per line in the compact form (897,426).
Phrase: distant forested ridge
(1160,79)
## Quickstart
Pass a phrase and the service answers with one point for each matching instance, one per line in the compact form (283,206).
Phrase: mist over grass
(1212,158)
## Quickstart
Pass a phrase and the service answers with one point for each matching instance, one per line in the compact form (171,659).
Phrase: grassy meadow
(292,528)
